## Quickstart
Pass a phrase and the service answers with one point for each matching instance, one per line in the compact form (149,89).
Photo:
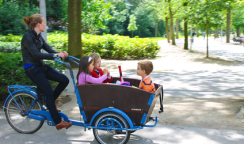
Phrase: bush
(10,38)
(12,72)
(107,46)
(10,47)
(119,47)
(58,40)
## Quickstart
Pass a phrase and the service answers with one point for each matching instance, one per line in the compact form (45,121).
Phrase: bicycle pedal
(68,126)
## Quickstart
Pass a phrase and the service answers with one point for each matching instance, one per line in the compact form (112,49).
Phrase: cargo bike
(112,111)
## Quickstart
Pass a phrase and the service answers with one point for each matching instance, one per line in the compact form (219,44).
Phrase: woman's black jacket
(31,45)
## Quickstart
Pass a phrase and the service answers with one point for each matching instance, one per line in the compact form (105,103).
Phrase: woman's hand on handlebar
(63,54)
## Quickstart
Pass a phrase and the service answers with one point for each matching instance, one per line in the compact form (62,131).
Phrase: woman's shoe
(63,124)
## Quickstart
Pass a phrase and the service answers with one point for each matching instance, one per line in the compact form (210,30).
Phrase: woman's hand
(61,55)
(108,73)
(65,54)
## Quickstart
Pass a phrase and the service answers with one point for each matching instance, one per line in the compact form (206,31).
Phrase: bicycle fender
(20,90)
(123,114)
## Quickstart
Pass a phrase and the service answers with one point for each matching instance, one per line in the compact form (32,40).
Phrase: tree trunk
(216,33)
(156,28)
(207,38)
(238,32)
(177,29)
(132,33)
(167,29)
(228,27)
(171,26)
(42,6)
(221,33)
(197,32)
(186,35)
(74,28)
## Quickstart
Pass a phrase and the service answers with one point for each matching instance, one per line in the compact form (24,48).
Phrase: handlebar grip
(56,59)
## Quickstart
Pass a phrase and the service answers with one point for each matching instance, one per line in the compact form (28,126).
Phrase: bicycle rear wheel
(19,120)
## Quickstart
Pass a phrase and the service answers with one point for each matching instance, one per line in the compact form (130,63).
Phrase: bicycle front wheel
(17,110)
(106,136)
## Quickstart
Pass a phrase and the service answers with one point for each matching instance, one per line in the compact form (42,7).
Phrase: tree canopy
(113,16)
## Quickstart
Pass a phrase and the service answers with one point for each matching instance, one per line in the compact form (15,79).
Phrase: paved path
(162,134)
(232,50)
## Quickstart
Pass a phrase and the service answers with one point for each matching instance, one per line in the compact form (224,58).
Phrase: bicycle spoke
(22,102)
(13,107)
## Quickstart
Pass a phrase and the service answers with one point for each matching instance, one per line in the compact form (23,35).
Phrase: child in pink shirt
(86,66)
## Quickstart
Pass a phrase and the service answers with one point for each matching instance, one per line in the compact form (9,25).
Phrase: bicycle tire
(103,136)
(18,119)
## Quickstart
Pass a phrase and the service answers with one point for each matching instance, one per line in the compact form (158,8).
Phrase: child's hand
(108,73)
(105,72)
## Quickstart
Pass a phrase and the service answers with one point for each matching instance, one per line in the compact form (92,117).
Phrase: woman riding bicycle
(31,45)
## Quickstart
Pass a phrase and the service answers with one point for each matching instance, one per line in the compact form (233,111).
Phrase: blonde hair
(146,65)
(33,20)
(95,57)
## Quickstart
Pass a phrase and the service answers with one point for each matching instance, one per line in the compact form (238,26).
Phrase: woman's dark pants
(40,74)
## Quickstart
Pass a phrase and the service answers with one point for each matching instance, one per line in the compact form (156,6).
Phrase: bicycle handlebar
(56,59)
(69,58)
(66,64)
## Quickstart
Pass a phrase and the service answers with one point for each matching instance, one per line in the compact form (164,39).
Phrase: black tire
(19,121)
(108,136)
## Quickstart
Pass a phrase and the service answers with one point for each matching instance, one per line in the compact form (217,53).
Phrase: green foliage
(108,46)
(238,16)
(94,12)
(10,38)
(119,47)
(135,48)
(58,40)
(203,12)
(145,21)
(12,71)
(116,25)
(10,47)
(56,9)
(145,13)
(132,25)
(11,15)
